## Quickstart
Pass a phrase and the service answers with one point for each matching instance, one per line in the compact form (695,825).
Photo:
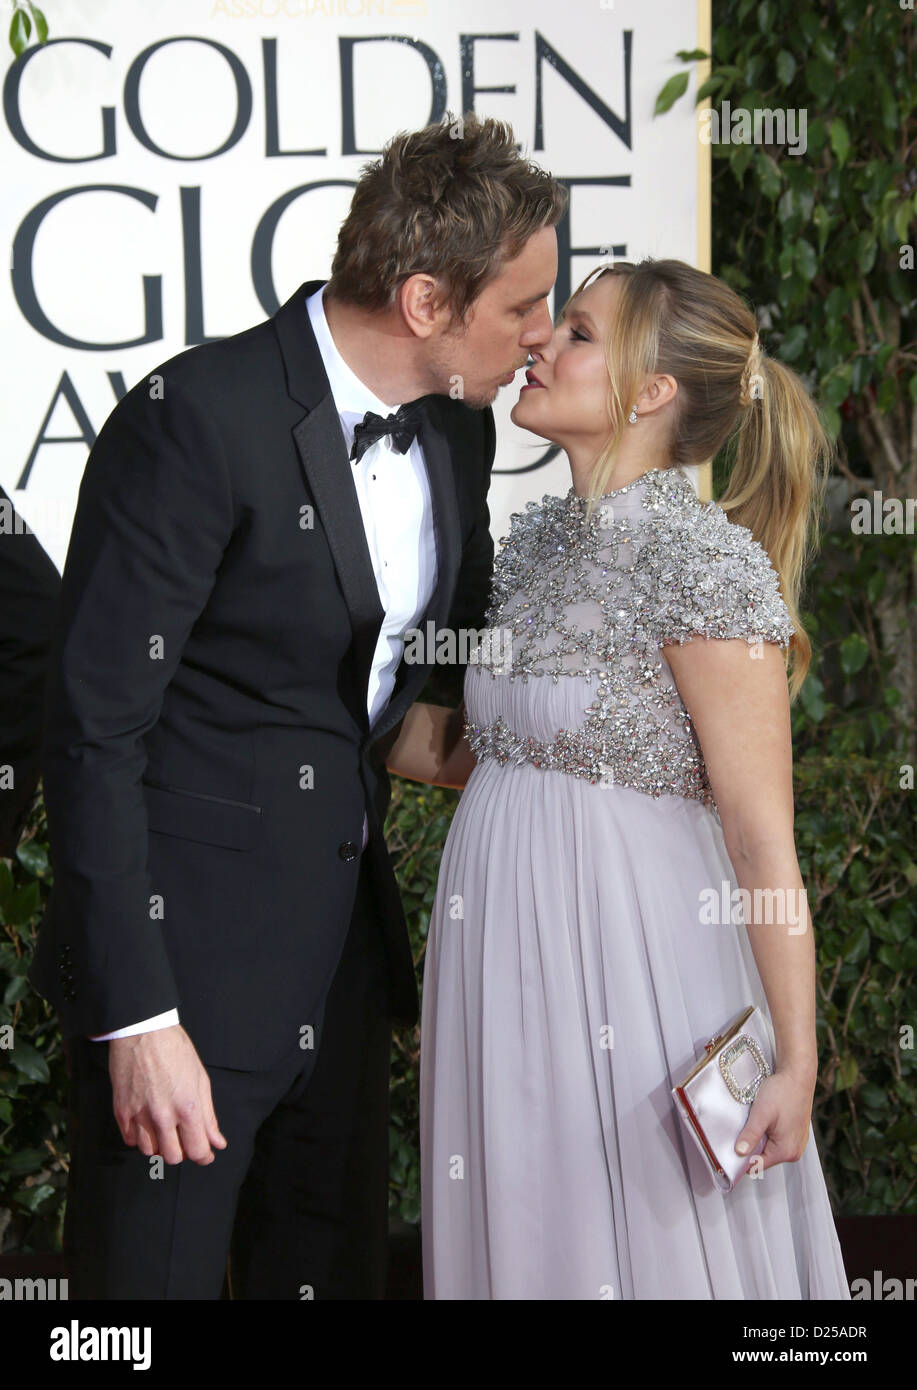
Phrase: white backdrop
(155,199)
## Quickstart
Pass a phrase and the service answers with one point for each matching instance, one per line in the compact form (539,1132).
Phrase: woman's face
(569,403)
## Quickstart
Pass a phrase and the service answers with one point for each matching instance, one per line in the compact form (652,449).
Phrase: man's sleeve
(154,516)
(472,587)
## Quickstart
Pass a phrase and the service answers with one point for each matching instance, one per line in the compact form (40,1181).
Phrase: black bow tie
(402,426)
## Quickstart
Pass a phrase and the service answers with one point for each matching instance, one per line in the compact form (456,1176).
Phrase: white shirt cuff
(148,1025)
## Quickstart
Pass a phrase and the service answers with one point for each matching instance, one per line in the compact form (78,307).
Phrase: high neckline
(658,475)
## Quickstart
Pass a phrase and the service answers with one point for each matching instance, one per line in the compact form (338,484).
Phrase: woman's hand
(783,1110)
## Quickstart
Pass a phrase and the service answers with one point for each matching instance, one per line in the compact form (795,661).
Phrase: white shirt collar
(351,395)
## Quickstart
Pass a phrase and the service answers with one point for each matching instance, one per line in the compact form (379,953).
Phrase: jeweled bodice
(591,603)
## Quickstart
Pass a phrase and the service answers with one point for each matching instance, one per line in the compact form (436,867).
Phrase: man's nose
(540,333)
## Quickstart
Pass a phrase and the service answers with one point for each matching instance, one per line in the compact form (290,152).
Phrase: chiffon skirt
(568,984)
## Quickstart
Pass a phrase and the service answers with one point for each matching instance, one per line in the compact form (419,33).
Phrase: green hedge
(33,1079)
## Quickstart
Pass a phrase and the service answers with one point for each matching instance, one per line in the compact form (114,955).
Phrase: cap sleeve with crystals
(715,580)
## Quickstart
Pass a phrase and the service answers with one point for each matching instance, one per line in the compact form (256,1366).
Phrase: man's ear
(424,304)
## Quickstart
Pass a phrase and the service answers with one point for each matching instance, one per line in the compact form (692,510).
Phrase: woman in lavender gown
(626,766)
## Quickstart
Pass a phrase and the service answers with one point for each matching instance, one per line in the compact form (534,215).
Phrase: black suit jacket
(29,586)
(207,755)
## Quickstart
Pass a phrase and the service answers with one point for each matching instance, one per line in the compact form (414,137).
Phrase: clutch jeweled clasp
(743,1043)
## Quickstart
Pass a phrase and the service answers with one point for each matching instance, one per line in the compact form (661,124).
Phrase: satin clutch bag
(716,1095)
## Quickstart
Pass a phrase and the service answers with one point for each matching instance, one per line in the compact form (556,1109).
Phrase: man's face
(503,325)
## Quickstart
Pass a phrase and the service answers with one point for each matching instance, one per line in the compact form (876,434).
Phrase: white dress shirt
(393,491)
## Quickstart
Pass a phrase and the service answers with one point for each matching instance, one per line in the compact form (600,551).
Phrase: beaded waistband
(598,761)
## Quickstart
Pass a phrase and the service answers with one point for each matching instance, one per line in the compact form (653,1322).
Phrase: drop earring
(632,417)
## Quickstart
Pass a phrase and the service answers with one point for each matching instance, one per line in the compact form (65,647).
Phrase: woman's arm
(432,748)
(737,697)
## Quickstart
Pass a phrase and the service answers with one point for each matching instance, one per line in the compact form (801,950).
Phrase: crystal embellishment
(599,599)
(729,1055)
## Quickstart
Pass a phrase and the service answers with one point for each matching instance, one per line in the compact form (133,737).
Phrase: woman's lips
(532,383)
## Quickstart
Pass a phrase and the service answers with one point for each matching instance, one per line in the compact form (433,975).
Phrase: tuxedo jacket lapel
(329,473)
(321,449)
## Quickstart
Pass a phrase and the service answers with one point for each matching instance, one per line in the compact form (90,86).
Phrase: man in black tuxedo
(29,586)
(225,941)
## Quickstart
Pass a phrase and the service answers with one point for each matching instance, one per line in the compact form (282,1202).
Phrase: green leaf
(822,221)
(806,259)
(888,105)
(693,55)
(883,357)
(903,221)
(17,989)
(769,176)
(27,1060)
(837,302)
(812,698)
(853,653)
(866,251)
(899,920)
(20,29)
(673,89)
(891,956)
(872,1097)
(856,946)
(34,857)
(875,586)
(887,395)
(846,1074)
(32,1197)
(837,386)
(786,67)
(821,78)
(754,69)
(794,340)
(26,902)
(6,890)
(25,1161)
(861,373)
(840,140)
(41,24)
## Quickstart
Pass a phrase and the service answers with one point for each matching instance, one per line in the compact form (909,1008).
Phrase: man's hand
(161,1096)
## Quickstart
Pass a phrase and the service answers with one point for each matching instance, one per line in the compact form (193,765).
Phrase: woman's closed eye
(581,337)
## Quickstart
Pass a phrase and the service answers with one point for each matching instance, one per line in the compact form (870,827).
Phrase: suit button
(348,850)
